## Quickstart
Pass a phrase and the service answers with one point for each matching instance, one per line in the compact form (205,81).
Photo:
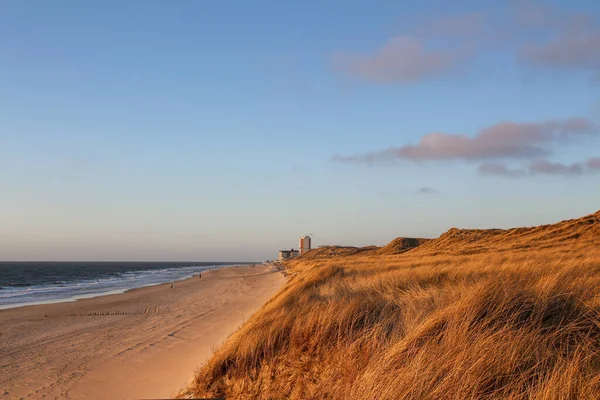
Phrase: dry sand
(145,343)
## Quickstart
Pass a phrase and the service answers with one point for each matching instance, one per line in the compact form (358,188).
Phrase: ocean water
(26,283)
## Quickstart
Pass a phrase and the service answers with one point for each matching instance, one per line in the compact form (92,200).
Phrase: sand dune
(145,343)
(473,314)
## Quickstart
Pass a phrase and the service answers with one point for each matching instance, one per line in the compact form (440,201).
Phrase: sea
(29,283)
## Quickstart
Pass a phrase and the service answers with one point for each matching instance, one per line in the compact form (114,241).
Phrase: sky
(197,130)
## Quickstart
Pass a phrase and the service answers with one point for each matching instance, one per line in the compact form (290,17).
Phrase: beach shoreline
(145,342)
(108,291)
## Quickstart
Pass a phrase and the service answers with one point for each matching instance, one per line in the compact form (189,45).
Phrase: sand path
(145,343)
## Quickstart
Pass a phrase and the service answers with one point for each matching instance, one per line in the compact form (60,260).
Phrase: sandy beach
(145,343)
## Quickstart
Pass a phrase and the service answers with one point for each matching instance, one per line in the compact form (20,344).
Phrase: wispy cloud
(546,167)
(493,146)
(570,50)
(594,163)
(427,190)
(569,39)
(539,167)
(500,169)
(402,59)
(457,25)
(538,34)
(505,140)
(433,47)
(534,14)
(366,158)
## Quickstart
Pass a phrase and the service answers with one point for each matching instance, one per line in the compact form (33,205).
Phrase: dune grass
(471,315)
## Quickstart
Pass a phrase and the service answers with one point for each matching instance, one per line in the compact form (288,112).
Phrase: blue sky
(152,130)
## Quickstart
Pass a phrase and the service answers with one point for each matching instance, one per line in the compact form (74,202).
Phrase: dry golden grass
(474,314)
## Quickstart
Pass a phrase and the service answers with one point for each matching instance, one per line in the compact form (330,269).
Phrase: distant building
(291,253)
(304,244)
(286,254)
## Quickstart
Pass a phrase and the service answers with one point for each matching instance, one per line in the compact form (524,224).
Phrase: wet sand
(145,343)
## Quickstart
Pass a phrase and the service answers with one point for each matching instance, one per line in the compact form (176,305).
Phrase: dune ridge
(486,314)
